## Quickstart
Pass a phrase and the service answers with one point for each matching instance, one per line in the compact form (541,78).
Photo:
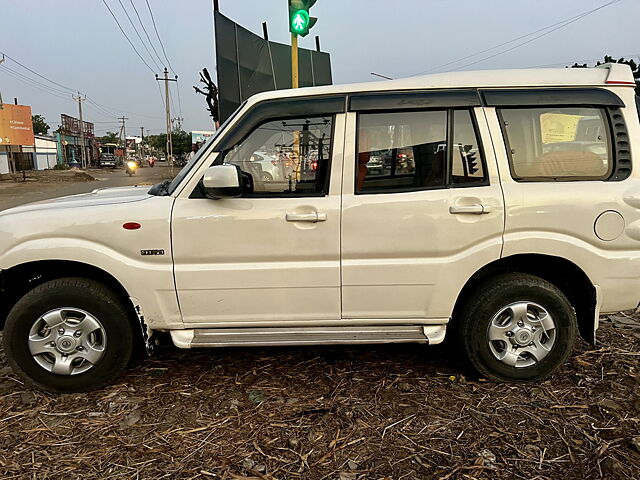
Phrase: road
(18,193)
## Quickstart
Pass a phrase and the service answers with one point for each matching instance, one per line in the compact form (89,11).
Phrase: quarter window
(558,144)
(286,157)
(466,163)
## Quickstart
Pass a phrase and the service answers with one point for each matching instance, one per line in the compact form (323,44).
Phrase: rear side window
(417,150)
(558,143)
(401,151)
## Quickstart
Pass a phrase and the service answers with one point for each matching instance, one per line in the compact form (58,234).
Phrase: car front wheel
(517,327)
(69,335)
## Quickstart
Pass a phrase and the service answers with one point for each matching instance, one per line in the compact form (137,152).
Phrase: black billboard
(248,64)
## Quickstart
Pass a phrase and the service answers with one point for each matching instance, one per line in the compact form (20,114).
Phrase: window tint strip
(279,108)
(413,100)
(550,96)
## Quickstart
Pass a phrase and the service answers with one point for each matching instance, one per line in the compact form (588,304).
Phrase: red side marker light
(131,226)
(616,82)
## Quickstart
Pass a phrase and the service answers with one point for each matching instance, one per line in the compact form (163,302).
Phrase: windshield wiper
(160,189)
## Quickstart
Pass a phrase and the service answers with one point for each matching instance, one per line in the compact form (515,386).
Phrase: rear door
(422,204)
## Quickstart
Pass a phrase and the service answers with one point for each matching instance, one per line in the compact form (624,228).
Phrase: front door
(271,256)
(422,210)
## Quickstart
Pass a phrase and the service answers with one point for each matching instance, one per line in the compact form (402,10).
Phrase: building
(70,145)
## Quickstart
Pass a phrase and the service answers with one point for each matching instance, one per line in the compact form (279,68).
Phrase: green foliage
(110,137)
(157,143)
(181,142)
(635,68)
(40,126)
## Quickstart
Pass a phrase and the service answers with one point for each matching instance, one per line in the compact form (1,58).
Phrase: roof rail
(619,74)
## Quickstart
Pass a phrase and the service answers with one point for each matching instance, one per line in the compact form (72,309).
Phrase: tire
(110,347)
(493,311)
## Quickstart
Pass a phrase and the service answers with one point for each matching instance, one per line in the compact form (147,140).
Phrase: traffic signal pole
(294,60)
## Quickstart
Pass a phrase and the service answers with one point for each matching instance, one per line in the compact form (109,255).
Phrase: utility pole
(1,105)
(167,105)
(80,99)
(123,132)
(142,142)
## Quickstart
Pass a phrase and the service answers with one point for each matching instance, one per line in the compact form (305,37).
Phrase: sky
(78,45)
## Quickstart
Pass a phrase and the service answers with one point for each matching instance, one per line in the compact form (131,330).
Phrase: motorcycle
(131,168)
(151,162)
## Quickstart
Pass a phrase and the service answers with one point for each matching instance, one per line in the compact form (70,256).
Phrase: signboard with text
(200,136)
(16,127)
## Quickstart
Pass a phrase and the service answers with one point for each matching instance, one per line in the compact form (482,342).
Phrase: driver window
(286,157)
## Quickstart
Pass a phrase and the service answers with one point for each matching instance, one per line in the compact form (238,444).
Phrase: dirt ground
(342,413)
(45,184)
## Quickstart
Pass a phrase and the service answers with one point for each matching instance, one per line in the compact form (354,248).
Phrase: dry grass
(391,412)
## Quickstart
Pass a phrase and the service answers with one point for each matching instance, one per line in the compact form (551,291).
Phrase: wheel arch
(564,274)
(20,279)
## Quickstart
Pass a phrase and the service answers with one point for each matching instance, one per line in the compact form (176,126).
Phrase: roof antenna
(381,76)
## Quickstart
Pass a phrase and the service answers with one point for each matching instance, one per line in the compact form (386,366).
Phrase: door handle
(476,209)
(306,217)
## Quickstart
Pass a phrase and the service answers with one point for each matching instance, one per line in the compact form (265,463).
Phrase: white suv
(501,207)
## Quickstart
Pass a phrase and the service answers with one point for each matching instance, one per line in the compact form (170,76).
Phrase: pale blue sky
(77,44)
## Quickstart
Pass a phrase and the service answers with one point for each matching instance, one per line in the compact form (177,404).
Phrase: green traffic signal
(299,21)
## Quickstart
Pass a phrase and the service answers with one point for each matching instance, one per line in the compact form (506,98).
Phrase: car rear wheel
(517,327)
(69,335)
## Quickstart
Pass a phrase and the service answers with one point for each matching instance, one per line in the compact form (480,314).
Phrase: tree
(180,140)
(40,126)
(635,68)
(158,143)
(110,137)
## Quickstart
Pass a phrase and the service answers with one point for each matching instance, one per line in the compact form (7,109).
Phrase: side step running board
(271,336)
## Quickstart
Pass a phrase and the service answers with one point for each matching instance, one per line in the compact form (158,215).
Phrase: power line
(158,35)
(32,84)
(135,29)
(42,86)
(125,36)
(179,102)
(562,23)
(145,31)
(36,73)
(50,89)
(161,96)
(541,35)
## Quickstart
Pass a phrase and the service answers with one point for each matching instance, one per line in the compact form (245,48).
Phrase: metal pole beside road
(79,99)
(294,60)
(167,105)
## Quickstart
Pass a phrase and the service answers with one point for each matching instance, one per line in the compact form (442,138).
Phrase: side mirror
(223,181)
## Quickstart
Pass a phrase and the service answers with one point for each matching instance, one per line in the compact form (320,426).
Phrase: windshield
(204,150)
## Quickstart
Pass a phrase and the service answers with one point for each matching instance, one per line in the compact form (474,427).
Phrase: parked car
(492,224)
